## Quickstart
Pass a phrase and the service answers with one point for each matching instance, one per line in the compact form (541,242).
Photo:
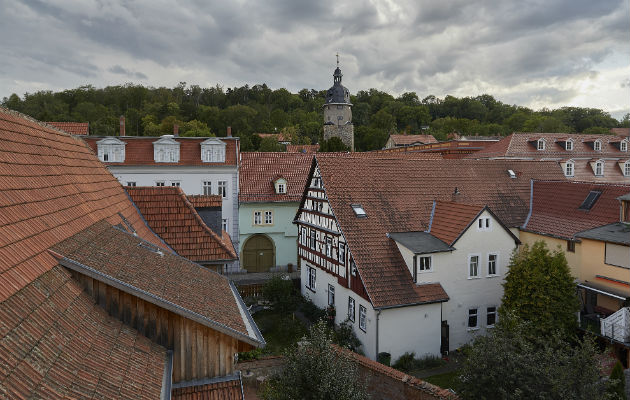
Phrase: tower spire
(337,59)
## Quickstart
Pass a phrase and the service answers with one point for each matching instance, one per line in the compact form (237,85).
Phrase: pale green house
(270,190)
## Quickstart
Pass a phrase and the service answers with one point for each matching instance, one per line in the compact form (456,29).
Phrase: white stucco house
(200,166)
(412,252)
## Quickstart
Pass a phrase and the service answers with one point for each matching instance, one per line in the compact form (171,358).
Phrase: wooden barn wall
(198,351)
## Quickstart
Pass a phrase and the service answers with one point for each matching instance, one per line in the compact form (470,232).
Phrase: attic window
(358,210)
(280,186)
(540,144)
(623,146)
(590,200)
(512,174)
(597,145)
(569,145)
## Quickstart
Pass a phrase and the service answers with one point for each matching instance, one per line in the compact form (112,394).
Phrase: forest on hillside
(201,111)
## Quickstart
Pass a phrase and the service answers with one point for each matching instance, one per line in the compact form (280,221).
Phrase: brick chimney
(229,131)
(122,125)
(175,130)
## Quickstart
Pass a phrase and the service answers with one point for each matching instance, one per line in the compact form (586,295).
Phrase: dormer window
(166,150)
(358,210)
(280,186)
(597,145)
(111,150)
(599,168)
(569,168)
(213,151)
(623,145)
(569,145)
(540,144)
(626,168)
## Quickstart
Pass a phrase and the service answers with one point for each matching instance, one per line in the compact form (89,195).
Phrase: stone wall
(343,132)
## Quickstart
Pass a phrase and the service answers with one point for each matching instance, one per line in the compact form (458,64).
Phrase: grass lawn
(445,381)
(279,331)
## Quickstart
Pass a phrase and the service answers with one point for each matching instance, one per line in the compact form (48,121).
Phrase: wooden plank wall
(198,351)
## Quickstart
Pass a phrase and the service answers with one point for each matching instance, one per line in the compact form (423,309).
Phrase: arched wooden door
(258,254)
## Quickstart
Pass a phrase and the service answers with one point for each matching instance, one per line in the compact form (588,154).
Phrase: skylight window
(590,200)
(358,210)
(512,174)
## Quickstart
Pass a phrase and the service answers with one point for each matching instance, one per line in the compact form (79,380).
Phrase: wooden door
(258,254)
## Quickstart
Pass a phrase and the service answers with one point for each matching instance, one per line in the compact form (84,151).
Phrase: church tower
(338,112)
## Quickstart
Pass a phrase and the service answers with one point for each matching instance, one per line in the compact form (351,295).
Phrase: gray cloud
(523,52)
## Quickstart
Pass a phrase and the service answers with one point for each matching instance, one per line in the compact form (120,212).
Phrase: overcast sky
(532,53)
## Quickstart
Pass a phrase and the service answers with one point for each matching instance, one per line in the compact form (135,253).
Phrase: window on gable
(623,146)
(362,318)
(359,211)
(331,295)
(207,188)
(599,168)
(213,152)
(626,168)
(350,308)
(328,246)
(313,239)
(597,145)
(131,184)
(342,253)
(569,169)
(590,200)
(472,318)
(282,188)
(540,144)
(473,266)
(569,145)
(483,223)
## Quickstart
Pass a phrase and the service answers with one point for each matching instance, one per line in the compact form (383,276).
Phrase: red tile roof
(302,148)
(201,201)
(522,145)
(259,171)
(278,136)
(555,207)
(406,140)
(118,255)
(397,194)
(139,151)
(73,128)
(226,390)
(451,219)
(620,131)
(169,213)
(55,342)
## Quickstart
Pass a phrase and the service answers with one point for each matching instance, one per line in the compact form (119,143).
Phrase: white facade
(451,269)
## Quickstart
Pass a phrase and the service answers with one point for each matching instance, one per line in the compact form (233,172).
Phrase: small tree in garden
(539,289)
(617,383)
(315,371)
(280,293)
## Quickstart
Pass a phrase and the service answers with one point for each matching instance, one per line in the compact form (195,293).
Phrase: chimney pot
(229,131)
(175,130)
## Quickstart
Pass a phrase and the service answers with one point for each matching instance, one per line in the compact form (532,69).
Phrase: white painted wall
(450,269)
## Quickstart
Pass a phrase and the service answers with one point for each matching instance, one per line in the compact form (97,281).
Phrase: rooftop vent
(512,174)
(358,210)
(590,200)
(151,248)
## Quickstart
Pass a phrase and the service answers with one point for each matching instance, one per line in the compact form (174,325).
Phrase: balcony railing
(615,327)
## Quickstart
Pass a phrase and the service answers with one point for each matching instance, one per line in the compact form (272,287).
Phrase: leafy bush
(250,355)
(311,311)
(281,293)
(408,362)
(345,337)
(616,386)
(405,362)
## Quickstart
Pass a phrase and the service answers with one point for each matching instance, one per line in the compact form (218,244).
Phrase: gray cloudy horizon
(530,53)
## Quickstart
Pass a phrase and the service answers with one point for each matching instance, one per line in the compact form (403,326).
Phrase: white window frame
(268,217)
(160,183)
(312,278)
(206,188)
(331,295)
(469,315)
(313,239)
(599,168)
(362,318)
(496,264)
(623,145)
(329,245)
(569,168)
(224,224)
(351,308)
(131,184)
(626,168)
(417,264)
(597,145)
(478,266)
(222,189)
(342,253)
(540,144)
(257,217)
(484,224)
(176,183)
(488,313)
(569,145)
(213,151)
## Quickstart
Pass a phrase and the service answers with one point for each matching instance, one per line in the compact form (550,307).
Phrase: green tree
(315,371)
(616,386)
(539,289)
(510,364)
(270,144)
(334,144)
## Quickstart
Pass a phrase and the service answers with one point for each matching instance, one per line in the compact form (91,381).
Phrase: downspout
(378,314)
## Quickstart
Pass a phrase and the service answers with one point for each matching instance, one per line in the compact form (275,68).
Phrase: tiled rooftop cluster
(397,194)
(73,128)
(406,140)
(169,214)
